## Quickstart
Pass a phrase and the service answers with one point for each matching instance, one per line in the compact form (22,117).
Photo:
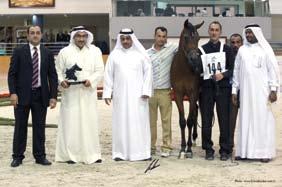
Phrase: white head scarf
(265,46)
(81,29)
(135,42)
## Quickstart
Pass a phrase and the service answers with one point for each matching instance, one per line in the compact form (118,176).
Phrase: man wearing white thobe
(78,133)
(128,81)
(256,74)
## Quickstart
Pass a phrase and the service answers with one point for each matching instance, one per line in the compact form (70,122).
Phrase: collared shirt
(161,62)
(39,60)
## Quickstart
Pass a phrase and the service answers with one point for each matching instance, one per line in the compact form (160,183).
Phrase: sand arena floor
(172,171)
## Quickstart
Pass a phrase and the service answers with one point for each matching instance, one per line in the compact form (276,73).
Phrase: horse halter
(186,40)
(192,54)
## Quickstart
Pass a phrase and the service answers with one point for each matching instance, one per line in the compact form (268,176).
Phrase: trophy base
(76,82)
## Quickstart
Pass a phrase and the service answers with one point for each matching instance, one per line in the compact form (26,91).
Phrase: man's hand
(108,101)
(14,100)
(234,99)
(218,76)
(65,84)
(145,97)
(87,83)
(52,103)
(272,96)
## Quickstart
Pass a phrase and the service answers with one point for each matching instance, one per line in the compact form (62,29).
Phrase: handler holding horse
(218,64)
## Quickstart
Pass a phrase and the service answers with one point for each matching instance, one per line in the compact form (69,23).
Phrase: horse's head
(188,43)
(76,68)
(70,73)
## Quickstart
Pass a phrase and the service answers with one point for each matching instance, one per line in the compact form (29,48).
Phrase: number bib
(213,63)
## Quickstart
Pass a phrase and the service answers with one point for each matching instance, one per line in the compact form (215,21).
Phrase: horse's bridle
(188,54)
(185,52)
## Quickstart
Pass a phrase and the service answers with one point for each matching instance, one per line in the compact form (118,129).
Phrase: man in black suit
(33,82)
(216,89)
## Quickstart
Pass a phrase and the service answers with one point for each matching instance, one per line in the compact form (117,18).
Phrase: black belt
(36,89)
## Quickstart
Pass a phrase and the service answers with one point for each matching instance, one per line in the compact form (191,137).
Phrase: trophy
(70,75)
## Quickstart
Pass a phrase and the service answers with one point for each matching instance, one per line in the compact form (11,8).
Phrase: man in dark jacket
(218,64)
(33,83)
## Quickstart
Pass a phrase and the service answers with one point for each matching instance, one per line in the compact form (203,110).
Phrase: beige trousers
(161,99)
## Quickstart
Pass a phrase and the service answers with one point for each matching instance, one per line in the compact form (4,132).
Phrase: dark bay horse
(185,78)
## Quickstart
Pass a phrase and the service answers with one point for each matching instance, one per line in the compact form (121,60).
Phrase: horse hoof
(189,155)
(194,144)
(182,155)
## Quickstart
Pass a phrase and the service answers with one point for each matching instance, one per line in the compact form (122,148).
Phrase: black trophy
(70,75)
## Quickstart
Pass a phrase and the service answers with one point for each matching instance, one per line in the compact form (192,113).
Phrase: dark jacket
(20,75)
(226,81)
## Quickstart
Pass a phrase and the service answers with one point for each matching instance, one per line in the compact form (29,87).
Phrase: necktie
(35,70)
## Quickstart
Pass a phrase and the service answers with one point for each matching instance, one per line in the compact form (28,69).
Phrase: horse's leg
(195,119)
(195,131)
(182,123)
(191,121)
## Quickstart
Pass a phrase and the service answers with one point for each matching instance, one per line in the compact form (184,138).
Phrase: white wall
(144,26)
(275,6)
(62,7)
(276,27)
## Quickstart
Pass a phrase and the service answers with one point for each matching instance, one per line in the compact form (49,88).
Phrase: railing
(277,47)
(6,49)
(6,94)
(258,8)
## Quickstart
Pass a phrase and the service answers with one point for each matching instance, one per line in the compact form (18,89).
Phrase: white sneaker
(165,154)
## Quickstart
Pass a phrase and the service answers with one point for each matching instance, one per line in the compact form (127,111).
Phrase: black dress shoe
(239,158)
(224,156)
(118,159)
(99,161)
(70,162)
(265,160)
(16,163)
(209,156)
(43,162)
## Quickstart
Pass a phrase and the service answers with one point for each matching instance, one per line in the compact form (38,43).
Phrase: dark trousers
(38,112)
(233,118)
(208,97)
